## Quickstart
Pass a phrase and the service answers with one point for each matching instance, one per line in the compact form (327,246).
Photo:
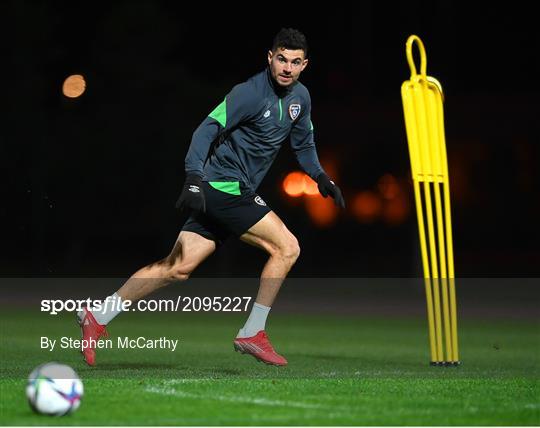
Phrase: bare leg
(271,234)
(189,251)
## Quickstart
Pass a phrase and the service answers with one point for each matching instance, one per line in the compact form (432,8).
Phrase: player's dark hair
(289,38)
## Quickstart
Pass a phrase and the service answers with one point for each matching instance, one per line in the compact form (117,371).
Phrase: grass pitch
(342,371)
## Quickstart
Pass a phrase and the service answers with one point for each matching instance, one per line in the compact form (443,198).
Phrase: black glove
(192,196)
(328,187)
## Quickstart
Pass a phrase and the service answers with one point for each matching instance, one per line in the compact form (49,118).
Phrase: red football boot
(91,331)
(260,347)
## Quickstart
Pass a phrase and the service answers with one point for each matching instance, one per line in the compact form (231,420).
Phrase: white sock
(110,307)
(255,322)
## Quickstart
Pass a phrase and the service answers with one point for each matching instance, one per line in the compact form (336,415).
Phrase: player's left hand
(328,187)
(192,196)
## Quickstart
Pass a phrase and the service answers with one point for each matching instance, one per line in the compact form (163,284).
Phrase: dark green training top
(241,137)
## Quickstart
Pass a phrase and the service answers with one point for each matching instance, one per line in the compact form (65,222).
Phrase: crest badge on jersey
(259,201)
(294,110)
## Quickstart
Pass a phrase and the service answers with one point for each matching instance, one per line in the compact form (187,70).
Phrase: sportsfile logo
(181,303)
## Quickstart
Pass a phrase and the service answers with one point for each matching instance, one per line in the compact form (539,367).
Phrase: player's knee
(180,272)
(178,275)
(291,250)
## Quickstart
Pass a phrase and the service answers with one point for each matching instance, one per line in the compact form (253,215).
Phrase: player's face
(286,65)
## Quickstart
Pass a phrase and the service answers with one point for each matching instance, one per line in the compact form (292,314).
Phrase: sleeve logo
(294,110)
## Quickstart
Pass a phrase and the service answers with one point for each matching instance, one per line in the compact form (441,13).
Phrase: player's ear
(270,55)
(304,64)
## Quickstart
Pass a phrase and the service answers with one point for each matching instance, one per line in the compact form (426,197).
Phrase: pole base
(445,363)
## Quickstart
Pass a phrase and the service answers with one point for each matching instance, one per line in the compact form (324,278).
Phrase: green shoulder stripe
(220,113)
(230,187)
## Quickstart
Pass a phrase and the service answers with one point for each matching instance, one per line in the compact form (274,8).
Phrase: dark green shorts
(230,211)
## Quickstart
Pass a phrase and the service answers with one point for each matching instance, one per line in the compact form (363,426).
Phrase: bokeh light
(396,211)
(74,86)
(310,186)
(366,206)
(322,211)
(294,184)
(388,186)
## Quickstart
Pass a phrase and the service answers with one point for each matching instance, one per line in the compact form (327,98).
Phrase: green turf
(342,371)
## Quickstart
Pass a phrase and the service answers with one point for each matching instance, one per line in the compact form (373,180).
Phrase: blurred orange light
(294,184)
(366,206)
(322,211)
(396,210)
(388,186)
(74,86)
(310,187)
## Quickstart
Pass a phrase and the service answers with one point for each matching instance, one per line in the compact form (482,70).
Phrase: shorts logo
(294,110)
(259,201)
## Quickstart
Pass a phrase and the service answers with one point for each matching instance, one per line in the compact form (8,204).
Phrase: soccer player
(230,153)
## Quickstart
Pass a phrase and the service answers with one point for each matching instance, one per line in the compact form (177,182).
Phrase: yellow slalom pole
(423,97)
(448,222)
(412,138)
(434,125)
(422,121)
(435,273)
(427,279)
(451,277)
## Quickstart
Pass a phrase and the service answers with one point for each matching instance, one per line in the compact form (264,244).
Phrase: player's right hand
(192,196)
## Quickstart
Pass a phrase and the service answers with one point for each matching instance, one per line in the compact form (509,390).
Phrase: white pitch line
(181,381)
(331,411)
(237,399)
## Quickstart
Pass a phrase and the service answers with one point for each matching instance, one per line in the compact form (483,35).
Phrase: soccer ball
(54,389)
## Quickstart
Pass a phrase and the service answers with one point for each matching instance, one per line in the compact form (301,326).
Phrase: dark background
(89,184)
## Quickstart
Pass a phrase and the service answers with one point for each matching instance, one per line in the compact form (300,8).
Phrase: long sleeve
(202,139)
(303,144)
(238,106)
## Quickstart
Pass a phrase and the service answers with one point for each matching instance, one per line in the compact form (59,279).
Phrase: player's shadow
(221,371)
(328,357)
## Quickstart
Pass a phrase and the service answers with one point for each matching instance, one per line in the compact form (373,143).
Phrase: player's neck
(280,91)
